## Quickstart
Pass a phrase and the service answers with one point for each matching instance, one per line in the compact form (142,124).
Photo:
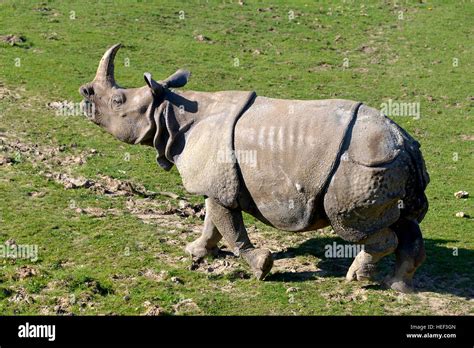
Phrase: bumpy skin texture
(362,200)
(377,180)
(312,163)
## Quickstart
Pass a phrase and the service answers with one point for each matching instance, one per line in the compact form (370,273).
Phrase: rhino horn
(105,71)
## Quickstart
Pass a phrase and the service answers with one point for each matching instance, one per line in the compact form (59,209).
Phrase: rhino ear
(155,87)
(178,79)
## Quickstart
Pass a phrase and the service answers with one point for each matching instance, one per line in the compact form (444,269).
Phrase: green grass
(408,60)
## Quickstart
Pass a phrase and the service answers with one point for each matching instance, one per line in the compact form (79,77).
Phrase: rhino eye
(117,100)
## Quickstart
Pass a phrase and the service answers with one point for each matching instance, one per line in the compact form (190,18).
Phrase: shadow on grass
(442,272)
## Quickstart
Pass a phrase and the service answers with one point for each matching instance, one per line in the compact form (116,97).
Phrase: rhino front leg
(230,224)
(376,246)
(207,243)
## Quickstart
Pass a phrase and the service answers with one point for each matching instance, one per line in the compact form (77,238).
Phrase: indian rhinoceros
(297,165)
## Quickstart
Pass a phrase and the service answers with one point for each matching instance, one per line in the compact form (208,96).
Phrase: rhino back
(286,151)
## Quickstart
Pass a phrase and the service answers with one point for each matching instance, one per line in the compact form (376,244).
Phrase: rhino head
(126,113)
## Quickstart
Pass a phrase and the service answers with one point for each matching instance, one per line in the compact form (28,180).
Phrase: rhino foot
(376,246)
(362,268)
(260,260)
(198,251)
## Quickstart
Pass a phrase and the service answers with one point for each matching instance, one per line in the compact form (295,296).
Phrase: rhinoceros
(296,165)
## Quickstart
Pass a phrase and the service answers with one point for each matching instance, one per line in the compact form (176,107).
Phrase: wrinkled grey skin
(295,165)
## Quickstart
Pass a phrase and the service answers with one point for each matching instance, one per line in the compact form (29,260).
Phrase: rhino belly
(286,150)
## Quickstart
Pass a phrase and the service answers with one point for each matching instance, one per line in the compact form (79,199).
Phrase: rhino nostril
(86,91)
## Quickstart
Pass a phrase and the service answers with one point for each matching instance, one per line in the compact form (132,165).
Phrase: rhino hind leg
(410,254)
(376,246)
(230,224)
(207,243)
(369,206)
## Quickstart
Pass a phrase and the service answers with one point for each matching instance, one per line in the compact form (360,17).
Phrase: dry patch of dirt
(8,94)
(429,302)
(467,137)
(295,265)
(98,212)
(12,40)
(145,208)
(153,309)
(54,285)
(16,151)
(25,272)
(203,38)
(323,66)
(223,263)
(63,305)
(345,295)
(152,275)
(186,307)
(183,307)
(21,296)
(153,212)
(367,49)
(436,304)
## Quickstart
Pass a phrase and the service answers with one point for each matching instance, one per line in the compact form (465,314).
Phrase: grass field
(104,248)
